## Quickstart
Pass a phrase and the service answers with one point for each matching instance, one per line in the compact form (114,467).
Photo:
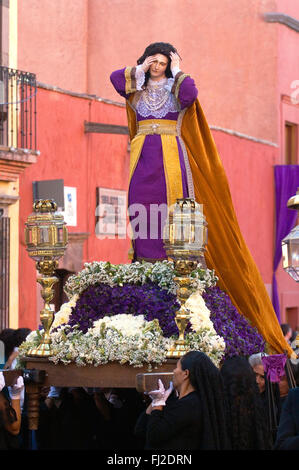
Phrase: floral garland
(126,313)
(161,273)
(122,338)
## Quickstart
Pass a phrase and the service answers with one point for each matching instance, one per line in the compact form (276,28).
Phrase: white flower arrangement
(203,337)
(161,273)
(199,312)
(208,342)
(120,338)
(63,315)
(128,338)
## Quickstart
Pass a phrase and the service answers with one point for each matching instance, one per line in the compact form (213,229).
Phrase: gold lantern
(46,240)
(290,244)
(185,238)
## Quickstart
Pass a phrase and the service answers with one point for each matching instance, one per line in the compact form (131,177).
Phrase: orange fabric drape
(227,251)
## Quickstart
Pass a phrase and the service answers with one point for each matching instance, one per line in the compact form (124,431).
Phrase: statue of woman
(173,155)
(158,93)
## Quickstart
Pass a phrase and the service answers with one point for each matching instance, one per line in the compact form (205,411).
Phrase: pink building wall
(75,45)
(223,46)
(52,38)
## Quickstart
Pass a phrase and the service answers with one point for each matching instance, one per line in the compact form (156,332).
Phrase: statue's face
(158,67)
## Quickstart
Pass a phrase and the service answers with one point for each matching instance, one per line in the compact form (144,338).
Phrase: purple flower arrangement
(240,337)
(153,302)
(103,300)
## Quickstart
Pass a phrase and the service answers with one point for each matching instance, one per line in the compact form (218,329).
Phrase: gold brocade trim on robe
(130,76)
(171,159)
(179,78)
(172,169)
(136,147)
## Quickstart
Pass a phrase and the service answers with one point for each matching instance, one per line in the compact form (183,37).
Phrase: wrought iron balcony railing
(17,109)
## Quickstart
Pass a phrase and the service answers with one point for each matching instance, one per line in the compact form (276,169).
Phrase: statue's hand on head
(148,62)
(175,62)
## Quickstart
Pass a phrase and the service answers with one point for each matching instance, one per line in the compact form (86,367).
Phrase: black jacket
(288,429)
(177,427)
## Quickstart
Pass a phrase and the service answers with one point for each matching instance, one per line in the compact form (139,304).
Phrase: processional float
(185,238)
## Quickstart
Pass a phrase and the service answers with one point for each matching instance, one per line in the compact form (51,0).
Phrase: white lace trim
(157,100)
(140,77)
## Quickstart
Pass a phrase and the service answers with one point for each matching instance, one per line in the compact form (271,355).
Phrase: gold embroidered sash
(167,129)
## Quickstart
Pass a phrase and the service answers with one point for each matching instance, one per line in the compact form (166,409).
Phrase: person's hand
(54,392)
(2,381)
(148,62)
(175,61)
(16,390)
(160,396)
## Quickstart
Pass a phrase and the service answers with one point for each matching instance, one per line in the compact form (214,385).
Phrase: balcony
(18,123)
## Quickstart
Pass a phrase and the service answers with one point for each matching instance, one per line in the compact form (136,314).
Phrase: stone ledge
(7,200)
(13,161)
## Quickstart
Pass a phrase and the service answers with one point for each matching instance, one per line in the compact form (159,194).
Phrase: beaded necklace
(156,100)
(155,95)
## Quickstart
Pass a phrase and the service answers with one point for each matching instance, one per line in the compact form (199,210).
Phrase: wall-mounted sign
(70,206)
(111,213)
(50,189)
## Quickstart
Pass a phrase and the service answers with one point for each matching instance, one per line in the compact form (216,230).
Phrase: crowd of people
(235,407)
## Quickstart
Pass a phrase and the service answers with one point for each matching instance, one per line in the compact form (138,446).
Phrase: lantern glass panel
(290,253)
(29,236)
(60,234)
(44,235)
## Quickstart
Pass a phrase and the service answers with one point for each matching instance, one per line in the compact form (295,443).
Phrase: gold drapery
(227,251)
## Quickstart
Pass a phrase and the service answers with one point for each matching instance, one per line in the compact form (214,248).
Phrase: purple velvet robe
(148,184)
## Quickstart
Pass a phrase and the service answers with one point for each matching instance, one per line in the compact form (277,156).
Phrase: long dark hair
(158,48)
(246,414)
(205,378)
(7,336)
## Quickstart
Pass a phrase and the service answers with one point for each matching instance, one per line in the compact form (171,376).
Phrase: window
(291,150)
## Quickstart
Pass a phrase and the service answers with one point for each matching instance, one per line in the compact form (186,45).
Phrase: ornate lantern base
(44,349)
(179,347)
(184,283)
(46,241)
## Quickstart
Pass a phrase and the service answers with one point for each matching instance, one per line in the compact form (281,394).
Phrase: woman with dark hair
(7,337)
(287,331)
(246,415)
(173,155)
(10,414)
(194,416)
(16,339)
